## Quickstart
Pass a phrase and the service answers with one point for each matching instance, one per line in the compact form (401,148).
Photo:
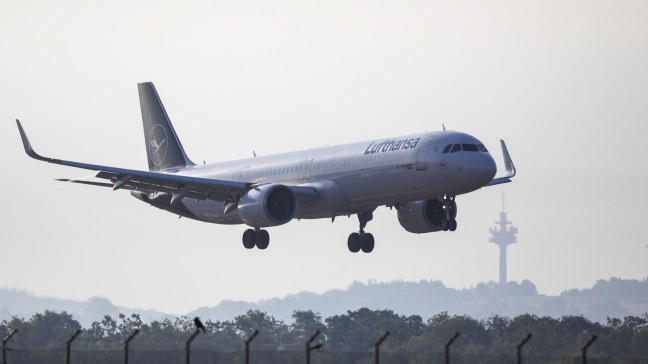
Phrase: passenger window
(447,148)
(469,147)
(455,148)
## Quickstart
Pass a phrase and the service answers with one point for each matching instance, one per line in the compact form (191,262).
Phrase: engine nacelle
(424,216)
(267,205)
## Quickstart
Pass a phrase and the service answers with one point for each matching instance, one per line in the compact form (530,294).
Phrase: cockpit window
(453,148)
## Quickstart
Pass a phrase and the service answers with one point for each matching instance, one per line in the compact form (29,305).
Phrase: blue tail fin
(163,147)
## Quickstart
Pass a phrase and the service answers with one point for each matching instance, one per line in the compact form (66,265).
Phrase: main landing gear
(361,240)
(257,237)
(450,207)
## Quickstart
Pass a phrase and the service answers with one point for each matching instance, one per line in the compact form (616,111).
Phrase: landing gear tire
(364,242)
(249,239)
(452,225)
(354,242)
(450,207)
(262,239)
(258,238)
(368,243)
(361,240)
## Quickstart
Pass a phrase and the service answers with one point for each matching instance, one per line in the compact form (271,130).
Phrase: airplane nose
(483,167)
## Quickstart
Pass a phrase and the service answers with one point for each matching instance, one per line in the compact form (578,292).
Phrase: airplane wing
(177,185)
(508,165)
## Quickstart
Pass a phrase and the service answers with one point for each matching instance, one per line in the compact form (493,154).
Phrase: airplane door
(421,154)
(300,171)
(307,171)
(304,171)
(244,174)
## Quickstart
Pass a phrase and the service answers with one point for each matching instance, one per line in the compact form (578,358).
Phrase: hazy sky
(565,83)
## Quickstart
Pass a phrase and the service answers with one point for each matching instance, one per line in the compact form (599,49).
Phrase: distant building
(503,236)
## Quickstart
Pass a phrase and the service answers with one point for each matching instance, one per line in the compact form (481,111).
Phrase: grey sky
(564,82)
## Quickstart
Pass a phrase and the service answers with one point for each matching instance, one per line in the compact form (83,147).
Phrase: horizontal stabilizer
(82,182)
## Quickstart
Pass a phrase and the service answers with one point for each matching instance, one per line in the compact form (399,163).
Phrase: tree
(306,324)
(45,330)
(272,331)
(359,330)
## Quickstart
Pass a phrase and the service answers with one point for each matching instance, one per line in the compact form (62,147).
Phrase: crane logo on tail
(158,144)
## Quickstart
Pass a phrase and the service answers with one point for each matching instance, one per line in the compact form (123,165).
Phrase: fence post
(247,346)
(309,348)
(69,346)
(188,346)
(377,348)
(4,345)
(594,337)
(447,347)
(131,337)
(519,348)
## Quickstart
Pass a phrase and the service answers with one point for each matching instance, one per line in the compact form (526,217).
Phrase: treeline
(347,338)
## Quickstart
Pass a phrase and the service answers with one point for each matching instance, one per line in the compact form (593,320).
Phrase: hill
(607,298)
(613,298)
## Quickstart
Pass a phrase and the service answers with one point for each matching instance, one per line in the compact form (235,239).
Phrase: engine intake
(424,216)
(267,205)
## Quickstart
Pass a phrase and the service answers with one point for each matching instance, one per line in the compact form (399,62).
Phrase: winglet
(508,165)
(28,148)
(508,162)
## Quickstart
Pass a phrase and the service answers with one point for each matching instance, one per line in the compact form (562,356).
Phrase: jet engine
(427,216)
(267,205)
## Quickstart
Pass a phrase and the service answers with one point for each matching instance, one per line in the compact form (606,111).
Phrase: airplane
(419,175)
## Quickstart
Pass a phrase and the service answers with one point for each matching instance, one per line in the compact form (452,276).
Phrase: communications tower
(503,236)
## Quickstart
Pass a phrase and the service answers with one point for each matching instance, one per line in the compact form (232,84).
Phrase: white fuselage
(420,175)
(357,177)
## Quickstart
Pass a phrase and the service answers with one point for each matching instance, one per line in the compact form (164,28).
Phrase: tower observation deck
(503,235)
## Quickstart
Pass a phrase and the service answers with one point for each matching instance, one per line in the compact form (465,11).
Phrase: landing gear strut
(257,237)
(361,240)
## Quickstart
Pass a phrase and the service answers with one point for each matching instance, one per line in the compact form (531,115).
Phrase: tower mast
(503,236)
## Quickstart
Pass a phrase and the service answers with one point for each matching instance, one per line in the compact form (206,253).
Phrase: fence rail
(262,356)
